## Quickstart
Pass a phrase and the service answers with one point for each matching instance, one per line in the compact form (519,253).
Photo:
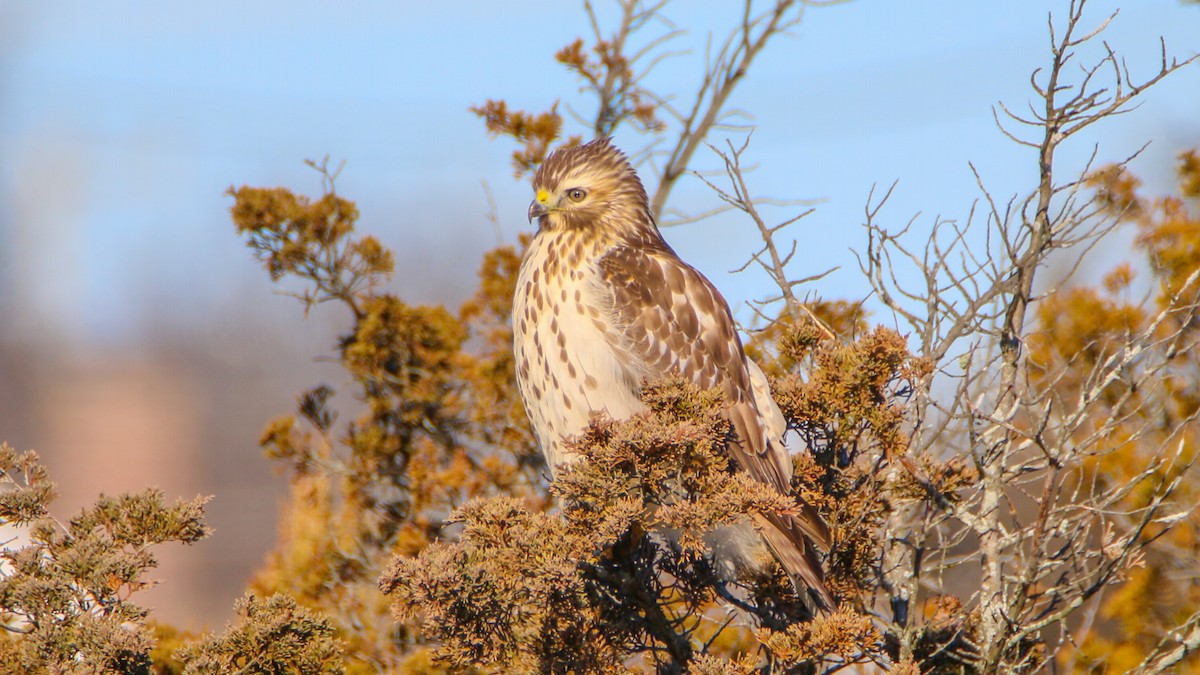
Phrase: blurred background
(141,345)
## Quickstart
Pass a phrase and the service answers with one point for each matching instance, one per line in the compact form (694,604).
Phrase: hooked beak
(537,210)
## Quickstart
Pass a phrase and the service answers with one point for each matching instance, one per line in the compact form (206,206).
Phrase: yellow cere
(542,196)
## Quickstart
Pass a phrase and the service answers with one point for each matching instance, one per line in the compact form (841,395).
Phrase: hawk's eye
(576,194)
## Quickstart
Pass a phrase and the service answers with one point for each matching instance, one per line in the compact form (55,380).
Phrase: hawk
(603,303)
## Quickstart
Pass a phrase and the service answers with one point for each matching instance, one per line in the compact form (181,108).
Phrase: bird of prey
(603,303)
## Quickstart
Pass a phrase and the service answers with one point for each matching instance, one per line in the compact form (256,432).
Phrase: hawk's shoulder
(675,320)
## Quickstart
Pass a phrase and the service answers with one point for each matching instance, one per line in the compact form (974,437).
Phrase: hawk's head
(589,186)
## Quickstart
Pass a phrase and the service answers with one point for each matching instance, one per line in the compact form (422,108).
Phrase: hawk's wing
(674,321)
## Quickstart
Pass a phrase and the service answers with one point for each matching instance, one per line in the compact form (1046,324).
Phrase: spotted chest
(565,342)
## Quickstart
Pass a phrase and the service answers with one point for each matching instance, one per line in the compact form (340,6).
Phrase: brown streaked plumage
(603,303)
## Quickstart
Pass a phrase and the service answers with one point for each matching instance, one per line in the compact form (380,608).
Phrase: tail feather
(785,535)
(793,537)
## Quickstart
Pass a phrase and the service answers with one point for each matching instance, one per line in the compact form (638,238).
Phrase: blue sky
(122,123)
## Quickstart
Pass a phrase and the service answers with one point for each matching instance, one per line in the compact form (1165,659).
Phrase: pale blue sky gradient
(122,123)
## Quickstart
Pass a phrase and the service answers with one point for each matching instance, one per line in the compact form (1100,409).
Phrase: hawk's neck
(563,250)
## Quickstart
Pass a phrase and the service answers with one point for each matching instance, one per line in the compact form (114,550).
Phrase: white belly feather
(567,369)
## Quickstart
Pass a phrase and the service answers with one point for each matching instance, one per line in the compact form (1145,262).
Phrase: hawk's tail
(784,535)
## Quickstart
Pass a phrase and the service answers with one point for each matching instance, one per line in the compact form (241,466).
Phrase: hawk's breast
(564,342)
